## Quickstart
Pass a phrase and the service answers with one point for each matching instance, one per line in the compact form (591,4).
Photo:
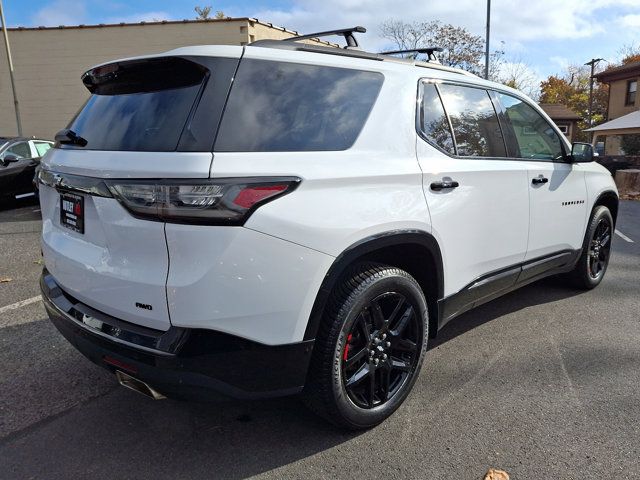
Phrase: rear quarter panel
(373,187)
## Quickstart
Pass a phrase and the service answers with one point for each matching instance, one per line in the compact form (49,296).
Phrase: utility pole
(486,44)
(592,63)
(13,82)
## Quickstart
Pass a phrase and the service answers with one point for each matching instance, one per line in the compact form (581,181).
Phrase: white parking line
(25,195)
(623,236)
(21,303)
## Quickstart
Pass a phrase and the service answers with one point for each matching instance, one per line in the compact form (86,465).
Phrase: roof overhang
(629,123)
(619,73)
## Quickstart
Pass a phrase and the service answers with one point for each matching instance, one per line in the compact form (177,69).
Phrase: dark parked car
(19,158)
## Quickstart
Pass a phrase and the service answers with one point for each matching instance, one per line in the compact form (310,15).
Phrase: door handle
(539,180)
(444,185)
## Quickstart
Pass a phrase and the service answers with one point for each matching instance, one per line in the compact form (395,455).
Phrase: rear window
(151,104)
(277,106)
(42,148)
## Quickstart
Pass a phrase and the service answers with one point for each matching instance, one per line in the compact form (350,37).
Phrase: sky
(545,35)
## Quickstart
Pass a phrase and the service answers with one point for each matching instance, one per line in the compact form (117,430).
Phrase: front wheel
(596,250)
(369,348)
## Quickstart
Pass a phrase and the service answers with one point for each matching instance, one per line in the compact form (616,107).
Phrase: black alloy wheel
(369,348)
(596,250)
(600,248)
(381,350)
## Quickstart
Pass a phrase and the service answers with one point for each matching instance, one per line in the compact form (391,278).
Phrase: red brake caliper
(346,347)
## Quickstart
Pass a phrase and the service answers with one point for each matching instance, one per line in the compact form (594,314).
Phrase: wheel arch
(610,200)
(415,251)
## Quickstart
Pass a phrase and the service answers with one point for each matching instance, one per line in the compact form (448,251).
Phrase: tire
(596,250)
(375,327)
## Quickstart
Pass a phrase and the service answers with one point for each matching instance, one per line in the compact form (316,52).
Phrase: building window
(564,128)
(632,86)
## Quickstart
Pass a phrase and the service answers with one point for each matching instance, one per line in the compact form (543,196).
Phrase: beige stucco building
(48,62)
(623,84)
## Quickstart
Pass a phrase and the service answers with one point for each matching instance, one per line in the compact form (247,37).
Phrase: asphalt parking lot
(543,383)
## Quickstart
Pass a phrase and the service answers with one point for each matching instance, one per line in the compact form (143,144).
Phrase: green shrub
(631,144)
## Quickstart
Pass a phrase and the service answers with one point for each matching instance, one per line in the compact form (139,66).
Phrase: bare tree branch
(462,49)
(203,12)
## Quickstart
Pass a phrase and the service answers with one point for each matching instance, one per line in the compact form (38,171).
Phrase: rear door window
(474,121)
(278,106)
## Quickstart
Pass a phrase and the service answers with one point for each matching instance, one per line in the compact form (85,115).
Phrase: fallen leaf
(5,279)
(495,474)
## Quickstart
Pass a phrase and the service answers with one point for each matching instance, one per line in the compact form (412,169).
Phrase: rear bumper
(180,362)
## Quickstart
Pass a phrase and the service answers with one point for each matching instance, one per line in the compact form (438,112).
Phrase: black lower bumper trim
(181,362)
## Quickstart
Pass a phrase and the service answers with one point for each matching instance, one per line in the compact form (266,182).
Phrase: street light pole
(592,63)
(486,44)
(13,82)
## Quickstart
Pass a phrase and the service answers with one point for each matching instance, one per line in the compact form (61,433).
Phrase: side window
(535,137)
(433,121)
(42,147)
(474,121)
(20,150)
(289,107)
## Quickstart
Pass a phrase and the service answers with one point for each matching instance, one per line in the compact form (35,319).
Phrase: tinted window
(474,121)
(433,120)
(20,150)
(292,107)
(534,135)
(139,105)
(42,148)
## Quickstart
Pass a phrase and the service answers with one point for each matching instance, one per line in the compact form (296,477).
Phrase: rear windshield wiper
(69,137)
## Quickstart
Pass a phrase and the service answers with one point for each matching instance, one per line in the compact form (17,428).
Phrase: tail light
(207,202)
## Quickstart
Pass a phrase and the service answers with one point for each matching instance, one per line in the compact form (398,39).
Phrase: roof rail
(429,51)
(347,33)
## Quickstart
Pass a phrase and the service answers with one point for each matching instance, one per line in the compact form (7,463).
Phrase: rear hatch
(148,118)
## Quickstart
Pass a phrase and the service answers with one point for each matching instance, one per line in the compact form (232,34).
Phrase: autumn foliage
(572,90)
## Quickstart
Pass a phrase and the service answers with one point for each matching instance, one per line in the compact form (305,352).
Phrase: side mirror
(9,158)
(582,152)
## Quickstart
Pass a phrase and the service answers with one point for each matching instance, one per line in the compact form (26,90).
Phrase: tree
(203,12)
(630,144)
(515,73)
(462,49)
(629,53)
(572,89)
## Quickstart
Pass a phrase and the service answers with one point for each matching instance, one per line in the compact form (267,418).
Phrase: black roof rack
(429,51)
(347,33)
(352,50)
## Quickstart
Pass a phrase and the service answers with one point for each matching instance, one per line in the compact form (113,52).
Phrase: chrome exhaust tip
(138,386)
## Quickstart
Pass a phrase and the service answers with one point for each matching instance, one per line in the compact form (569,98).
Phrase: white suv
(287,218)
